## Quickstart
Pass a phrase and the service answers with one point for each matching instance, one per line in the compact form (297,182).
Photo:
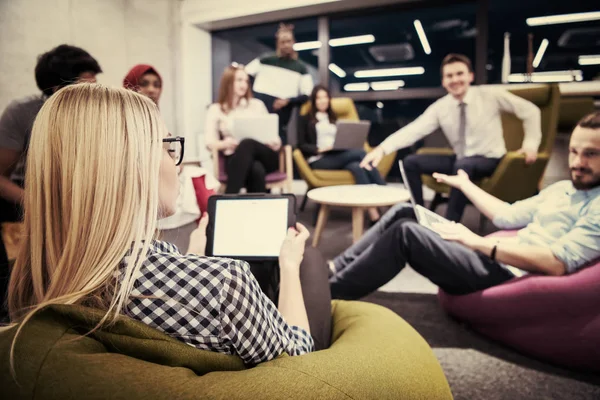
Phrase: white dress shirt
(484,136)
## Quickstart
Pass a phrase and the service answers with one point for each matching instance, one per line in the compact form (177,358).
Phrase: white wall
(118,33)
(196,88)
(202,11)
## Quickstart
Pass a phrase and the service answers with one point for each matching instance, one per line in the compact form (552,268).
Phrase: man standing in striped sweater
(281,81)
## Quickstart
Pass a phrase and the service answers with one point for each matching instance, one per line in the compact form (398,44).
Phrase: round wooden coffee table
(359,198)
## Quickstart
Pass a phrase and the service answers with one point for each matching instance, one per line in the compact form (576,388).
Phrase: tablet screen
(250,227)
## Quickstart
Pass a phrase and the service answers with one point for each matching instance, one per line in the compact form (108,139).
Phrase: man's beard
(579,185)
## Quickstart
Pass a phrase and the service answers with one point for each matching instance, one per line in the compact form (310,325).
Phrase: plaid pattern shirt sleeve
(213,304)
(252,323)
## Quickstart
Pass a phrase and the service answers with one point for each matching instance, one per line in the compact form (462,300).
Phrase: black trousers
(9,212)
(477,167)
(397,239)
(249,166)
(350,160)
(315,290)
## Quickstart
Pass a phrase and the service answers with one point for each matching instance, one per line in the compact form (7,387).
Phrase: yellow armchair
(344,109)
(514,180)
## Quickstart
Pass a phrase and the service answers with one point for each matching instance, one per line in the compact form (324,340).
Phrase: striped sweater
(282,78)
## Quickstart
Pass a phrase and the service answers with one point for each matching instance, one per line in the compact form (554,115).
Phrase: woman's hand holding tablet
(292,249)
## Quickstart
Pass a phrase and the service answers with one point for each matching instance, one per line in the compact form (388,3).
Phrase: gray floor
(475,367)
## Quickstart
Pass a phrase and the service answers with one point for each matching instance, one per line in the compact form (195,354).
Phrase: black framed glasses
(175,147)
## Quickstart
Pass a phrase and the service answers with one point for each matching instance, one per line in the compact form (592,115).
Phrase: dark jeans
(477,167)
(350,160)
(249,166)
(398,239)
(315,290)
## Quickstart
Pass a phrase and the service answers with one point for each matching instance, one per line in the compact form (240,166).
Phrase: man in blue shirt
(559,233)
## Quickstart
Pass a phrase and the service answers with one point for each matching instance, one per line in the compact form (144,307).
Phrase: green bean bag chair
(374,355)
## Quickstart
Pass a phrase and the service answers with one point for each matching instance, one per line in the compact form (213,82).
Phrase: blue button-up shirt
(560,217)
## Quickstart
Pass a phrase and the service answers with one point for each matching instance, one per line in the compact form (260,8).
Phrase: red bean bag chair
(556,319)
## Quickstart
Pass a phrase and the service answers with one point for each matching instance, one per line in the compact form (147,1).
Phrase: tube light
(337,70)
(375,73)
(343,41)
(356,87)
(592,59)
(549,76)
(540,53)
(387,85)
(422,37)
(315,44)
(350,40)
(563,18)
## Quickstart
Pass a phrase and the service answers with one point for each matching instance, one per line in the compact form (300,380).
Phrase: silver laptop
(262,128)
(424,216)
(351,135)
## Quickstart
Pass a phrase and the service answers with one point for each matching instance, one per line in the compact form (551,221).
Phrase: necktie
(462,127)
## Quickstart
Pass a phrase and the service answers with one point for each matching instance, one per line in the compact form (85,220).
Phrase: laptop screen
(406,183)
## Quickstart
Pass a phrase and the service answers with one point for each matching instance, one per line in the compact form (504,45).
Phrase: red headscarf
(132,79)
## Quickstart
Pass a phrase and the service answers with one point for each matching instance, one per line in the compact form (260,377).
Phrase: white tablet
(263,128)
(249,227)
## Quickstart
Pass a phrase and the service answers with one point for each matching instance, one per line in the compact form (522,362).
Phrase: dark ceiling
(449,28)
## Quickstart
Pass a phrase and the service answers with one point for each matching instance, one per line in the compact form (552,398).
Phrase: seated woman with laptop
(318,142)
(211,303)
(247,160)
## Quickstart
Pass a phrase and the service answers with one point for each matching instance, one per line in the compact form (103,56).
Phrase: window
(561,52)
(384,50)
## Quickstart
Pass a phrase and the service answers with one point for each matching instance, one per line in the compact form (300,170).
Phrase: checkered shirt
(213,304)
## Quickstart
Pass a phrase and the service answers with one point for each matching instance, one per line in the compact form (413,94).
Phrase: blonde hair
(91,199)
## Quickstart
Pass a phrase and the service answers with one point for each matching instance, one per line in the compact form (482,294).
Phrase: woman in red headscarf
(144,79)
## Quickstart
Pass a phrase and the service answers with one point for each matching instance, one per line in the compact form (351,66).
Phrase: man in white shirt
(470,118)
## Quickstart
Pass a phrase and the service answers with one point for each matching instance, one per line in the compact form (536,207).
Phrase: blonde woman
(248,162)
(101,171)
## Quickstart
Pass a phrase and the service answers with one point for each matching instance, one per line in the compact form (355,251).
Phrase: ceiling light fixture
(379,104)
(343,41)
(387,85)
(315,44)
(540,53)
(337,70)
(351,40)
(548,76)
(563,18)
(356,87)
(422,37)
(376,73)
(592,59)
